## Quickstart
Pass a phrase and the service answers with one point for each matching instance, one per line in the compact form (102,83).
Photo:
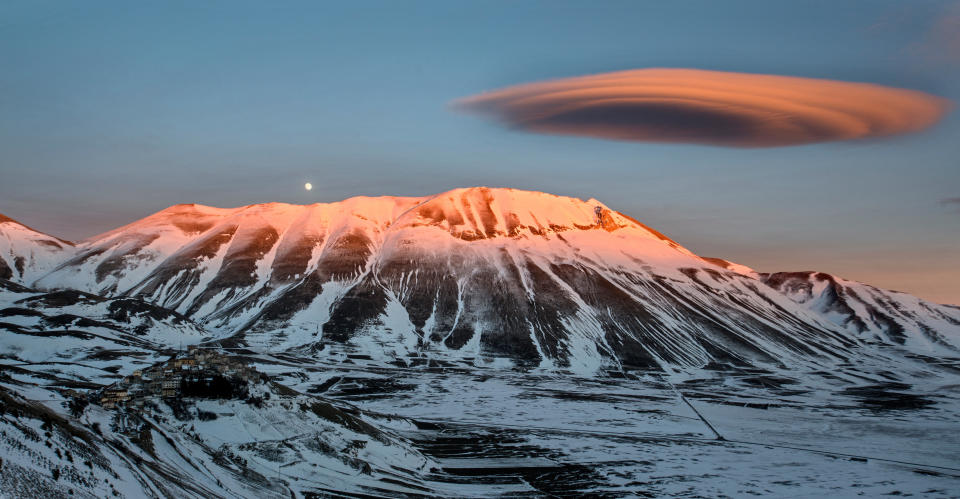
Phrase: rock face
(542,279)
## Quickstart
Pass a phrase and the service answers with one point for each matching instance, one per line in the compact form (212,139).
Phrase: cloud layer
(710,107)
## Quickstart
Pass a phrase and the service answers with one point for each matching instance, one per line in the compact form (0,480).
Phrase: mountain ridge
(541,279)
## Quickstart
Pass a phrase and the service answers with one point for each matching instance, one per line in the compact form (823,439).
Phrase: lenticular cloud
(710,107)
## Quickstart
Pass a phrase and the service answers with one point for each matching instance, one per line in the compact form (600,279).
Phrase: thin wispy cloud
(710,107)
(952,202)
(941,41)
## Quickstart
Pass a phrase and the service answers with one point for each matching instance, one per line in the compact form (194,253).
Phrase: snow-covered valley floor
(472,428)
(501,431)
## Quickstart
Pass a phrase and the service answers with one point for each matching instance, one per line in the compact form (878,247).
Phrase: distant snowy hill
(540,279)
(871,313)
(26,254)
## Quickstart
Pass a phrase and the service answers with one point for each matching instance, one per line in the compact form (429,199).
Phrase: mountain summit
(481,273)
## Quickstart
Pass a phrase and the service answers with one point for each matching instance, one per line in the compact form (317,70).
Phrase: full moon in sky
(308,186)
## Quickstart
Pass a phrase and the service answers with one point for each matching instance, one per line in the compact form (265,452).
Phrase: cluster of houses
(164,380)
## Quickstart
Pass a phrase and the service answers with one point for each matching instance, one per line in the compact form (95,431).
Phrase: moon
(308,186)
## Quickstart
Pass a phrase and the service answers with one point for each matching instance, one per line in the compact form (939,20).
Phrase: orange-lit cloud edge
(710,107)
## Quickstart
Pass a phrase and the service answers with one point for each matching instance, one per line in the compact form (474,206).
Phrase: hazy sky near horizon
(110,111)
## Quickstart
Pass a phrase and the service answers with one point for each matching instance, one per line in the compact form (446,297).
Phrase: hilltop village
(200,372)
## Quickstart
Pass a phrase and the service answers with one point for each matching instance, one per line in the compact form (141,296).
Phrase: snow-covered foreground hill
(281,443)
(26,254)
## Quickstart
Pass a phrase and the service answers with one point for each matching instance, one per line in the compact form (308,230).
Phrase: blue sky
(110,111)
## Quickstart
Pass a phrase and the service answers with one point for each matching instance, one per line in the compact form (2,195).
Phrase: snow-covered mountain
(379,327)
(871,313)
(26,254)
(480,273)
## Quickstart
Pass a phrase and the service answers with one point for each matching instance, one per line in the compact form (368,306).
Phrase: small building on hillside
(199,371)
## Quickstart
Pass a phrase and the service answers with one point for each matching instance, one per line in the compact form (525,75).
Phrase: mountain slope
(540,279)
(86,337)
(26,254)
(872,313)
(277,442)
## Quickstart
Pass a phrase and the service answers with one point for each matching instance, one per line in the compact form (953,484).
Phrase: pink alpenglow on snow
(710,107)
